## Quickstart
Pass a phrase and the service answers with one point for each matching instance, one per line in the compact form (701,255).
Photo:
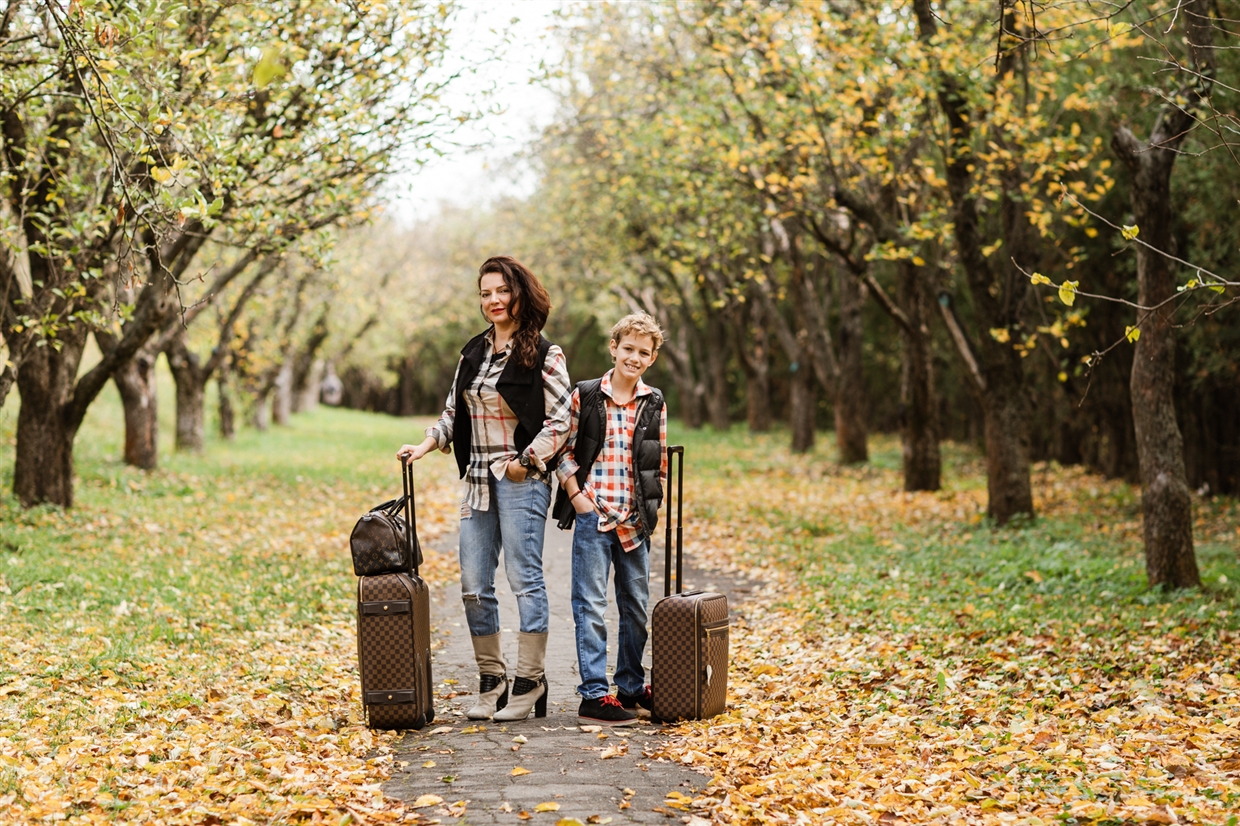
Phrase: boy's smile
(633,354)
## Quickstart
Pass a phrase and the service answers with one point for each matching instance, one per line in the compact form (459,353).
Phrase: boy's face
(633,353)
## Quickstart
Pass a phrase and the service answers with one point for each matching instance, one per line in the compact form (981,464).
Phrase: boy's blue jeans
(517,520)
(594,554)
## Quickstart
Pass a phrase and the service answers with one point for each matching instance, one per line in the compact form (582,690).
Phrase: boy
(611,485)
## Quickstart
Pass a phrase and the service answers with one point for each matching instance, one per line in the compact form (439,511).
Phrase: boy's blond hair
(638,324)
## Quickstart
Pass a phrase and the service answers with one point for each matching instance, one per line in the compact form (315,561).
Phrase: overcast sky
(471,176)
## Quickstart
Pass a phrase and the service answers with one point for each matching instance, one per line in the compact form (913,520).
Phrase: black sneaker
(634,700)
(606,710)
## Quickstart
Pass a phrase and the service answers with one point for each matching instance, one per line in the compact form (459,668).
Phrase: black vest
(646,453)
(520,387)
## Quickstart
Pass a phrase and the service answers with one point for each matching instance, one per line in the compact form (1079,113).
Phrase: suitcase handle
(406,476)
(674,451)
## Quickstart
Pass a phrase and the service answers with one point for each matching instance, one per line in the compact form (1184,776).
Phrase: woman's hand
(409,453)
(516,472)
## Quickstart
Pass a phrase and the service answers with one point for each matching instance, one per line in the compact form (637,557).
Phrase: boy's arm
(566,469)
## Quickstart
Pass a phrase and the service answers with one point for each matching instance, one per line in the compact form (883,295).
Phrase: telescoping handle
(674,451)
(406,475)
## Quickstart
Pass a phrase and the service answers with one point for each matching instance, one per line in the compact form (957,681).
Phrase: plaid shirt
(494,425)
(610,483)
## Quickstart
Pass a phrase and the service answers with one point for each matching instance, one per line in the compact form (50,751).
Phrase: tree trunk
(717,395)
(262,411)
(191,382)
(758,399)
(136,382)
(850,398)
(1166,501)
(228,416)
(406,370)
(306,398)
(919,433)
(191,426)
(755,360)
(997,292)
(1006,431)
(303,364)
(801,408)
(43,470)
(688,388)
(282,397)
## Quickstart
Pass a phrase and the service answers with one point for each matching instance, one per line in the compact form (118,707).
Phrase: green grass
(206,540)
(874,557)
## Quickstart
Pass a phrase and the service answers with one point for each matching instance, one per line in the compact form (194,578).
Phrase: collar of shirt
(643,389)
(490,340)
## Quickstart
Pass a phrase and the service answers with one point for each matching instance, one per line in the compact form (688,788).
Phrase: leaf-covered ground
(180,647)
(908,663)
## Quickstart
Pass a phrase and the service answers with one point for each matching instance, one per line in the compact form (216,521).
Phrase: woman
(512,392)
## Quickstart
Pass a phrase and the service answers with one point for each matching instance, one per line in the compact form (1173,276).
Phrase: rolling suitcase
(689,632)
(394,639)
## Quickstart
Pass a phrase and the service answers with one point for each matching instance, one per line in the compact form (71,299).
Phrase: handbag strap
(391,507)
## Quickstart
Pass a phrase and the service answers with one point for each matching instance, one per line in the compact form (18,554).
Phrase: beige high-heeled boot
(529,689)
(492,678)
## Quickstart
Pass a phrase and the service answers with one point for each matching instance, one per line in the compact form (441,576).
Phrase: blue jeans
(517,520)
(593,554)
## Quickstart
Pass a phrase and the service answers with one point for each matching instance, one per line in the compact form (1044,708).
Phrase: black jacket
(646,454)
(520,387)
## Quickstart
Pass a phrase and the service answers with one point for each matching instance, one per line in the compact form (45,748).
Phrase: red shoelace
(610,700)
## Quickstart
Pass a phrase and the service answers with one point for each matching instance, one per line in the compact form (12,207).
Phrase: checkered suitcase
(689,633)
(394,641)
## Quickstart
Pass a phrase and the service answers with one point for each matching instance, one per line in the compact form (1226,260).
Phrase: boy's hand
(583,503)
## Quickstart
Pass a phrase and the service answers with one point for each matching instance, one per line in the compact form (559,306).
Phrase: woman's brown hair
(529,306)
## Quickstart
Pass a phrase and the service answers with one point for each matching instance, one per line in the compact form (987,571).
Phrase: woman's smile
(494,298)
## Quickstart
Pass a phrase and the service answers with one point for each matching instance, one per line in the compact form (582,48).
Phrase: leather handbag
(385,541)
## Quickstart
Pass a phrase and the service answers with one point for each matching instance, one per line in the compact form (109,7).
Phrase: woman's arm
(412,453)
(441,431)
(438,435)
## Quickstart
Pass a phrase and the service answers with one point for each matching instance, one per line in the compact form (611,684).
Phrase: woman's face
(495,295)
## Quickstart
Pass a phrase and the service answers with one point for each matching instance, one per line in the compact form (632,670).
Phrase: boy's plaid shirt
(610,483)
(494,425)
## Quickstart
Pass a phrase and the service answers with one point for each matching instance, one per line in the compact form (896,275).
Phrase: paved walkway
(591,775)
